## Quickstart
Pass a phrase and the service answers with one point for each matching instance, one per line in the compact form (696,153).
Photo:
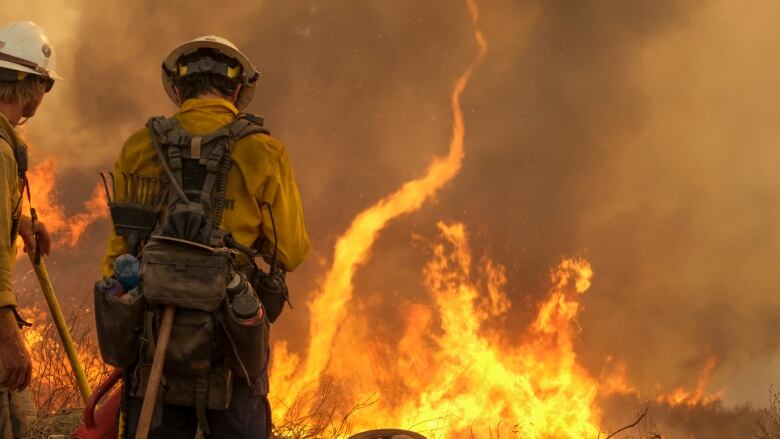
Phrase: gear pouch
(190,350)
(184,273)
(118,322)
(250,357)
(182,389)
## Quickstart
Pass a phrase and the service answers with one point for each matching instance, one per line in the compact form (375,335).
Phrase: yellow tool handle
(61,325)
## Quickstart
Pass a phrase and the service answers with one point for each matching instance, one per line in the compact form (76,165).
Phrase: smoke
(640,135)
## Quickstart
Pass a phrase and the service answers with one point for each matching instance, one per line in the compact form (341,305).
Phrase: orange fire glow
(65,229)
(53,383)
(353,248)
(695,396)
(616,382)
(449,375)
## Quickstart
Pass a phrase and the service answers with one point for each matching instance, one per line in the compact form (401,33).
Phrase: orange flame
(65,229)
(616,382)
(476,381)
(353,247)
(696,396)
(53,383)
(450,376)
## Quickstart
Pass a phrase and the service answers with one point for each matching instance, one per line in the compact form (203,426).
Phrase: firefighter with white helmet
(27,72)
(242,69)
(230,187)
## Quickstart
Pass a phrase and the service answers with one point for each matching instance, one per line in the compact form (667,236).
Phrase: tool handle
(62,327)
(155,376)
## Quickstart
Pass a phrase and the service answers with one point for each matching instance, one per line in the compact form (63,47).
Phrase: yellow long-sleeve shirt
(10,194)
(261,172)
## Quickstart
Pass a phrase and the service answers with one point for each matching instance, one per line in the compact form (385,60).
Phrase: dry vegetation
(768,425)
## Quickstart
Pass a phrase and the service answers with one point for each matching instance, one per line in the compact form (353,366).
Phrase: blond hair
(21,91)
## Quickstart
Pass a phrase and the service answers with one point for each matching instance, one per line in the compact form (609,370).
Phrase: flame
(475,381)
(695,396)
(353,247)
(615,382)
(66,230)
(451,376)
(53,383)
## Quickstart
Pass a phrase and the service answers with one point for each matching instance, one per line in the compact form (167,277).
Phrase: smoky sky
(639,135)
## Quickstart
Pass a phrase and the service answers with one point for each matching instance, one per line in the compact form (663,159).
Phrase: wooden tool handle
(155,376)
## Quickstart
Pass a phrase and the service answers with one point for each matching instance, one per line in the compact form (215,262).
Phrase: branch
(632,425)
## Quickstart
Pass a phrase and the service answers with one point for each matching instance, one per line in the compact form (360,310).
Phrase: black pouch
(118,323)
(249,349)
(272,291)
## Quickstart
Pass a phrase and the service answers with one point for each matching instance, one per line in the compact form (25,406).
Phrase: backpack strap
(216,159)
(244,125)
(22,163)
(154,126)
(20,154)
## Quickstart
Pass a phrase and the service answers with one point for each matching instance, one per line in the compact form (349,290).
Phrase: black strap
(244,125)
(201,401)
(156,144)
(217,160)
(20,156)
(20,153)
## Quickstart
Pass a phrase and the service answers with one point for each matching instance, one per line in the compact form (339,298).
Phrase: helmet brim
(13,66)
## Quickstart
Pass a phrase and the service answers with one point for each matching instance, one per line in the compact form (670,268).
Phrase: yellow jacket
(261,172)
(10,195)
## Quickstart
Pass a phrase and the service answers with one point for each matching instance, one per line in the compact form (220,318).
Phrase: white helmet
(249,75)
(25,47)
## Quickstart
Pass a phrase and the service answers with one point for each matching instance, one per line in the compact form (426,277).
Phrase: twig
(642,416)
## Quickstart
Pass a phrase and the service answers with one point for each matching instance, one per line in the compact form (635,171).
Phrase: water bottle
(111,287)
(127,269)
(243,301)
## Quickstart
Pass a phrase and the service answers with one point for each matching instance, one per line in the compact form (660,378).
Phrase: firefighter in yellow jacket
(27,65)
(212,81)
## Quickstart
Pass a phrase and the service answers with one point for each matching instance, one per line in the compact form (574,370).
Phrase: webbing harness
(197,167)
(189,155)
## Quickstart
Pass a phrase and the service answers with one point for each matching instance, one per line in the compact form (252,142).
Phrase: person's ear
(234,96)
(178,95)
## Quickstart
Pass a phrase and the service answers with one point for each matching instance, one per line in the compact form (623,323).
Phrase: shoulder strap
(217,160)
(244,125)
(20,156)
(248,124)
(20,153)
(154,128)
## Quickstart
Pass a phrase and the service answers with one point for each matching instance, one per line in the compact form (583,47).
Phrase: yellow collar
(217,105)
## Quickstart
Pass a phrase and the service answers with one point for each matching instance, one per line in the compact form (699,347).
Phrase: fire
(53,384)
(615,382)
(353,248)
(479,382)
(447,371)
(65,229)
(696,396)
(451,376)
